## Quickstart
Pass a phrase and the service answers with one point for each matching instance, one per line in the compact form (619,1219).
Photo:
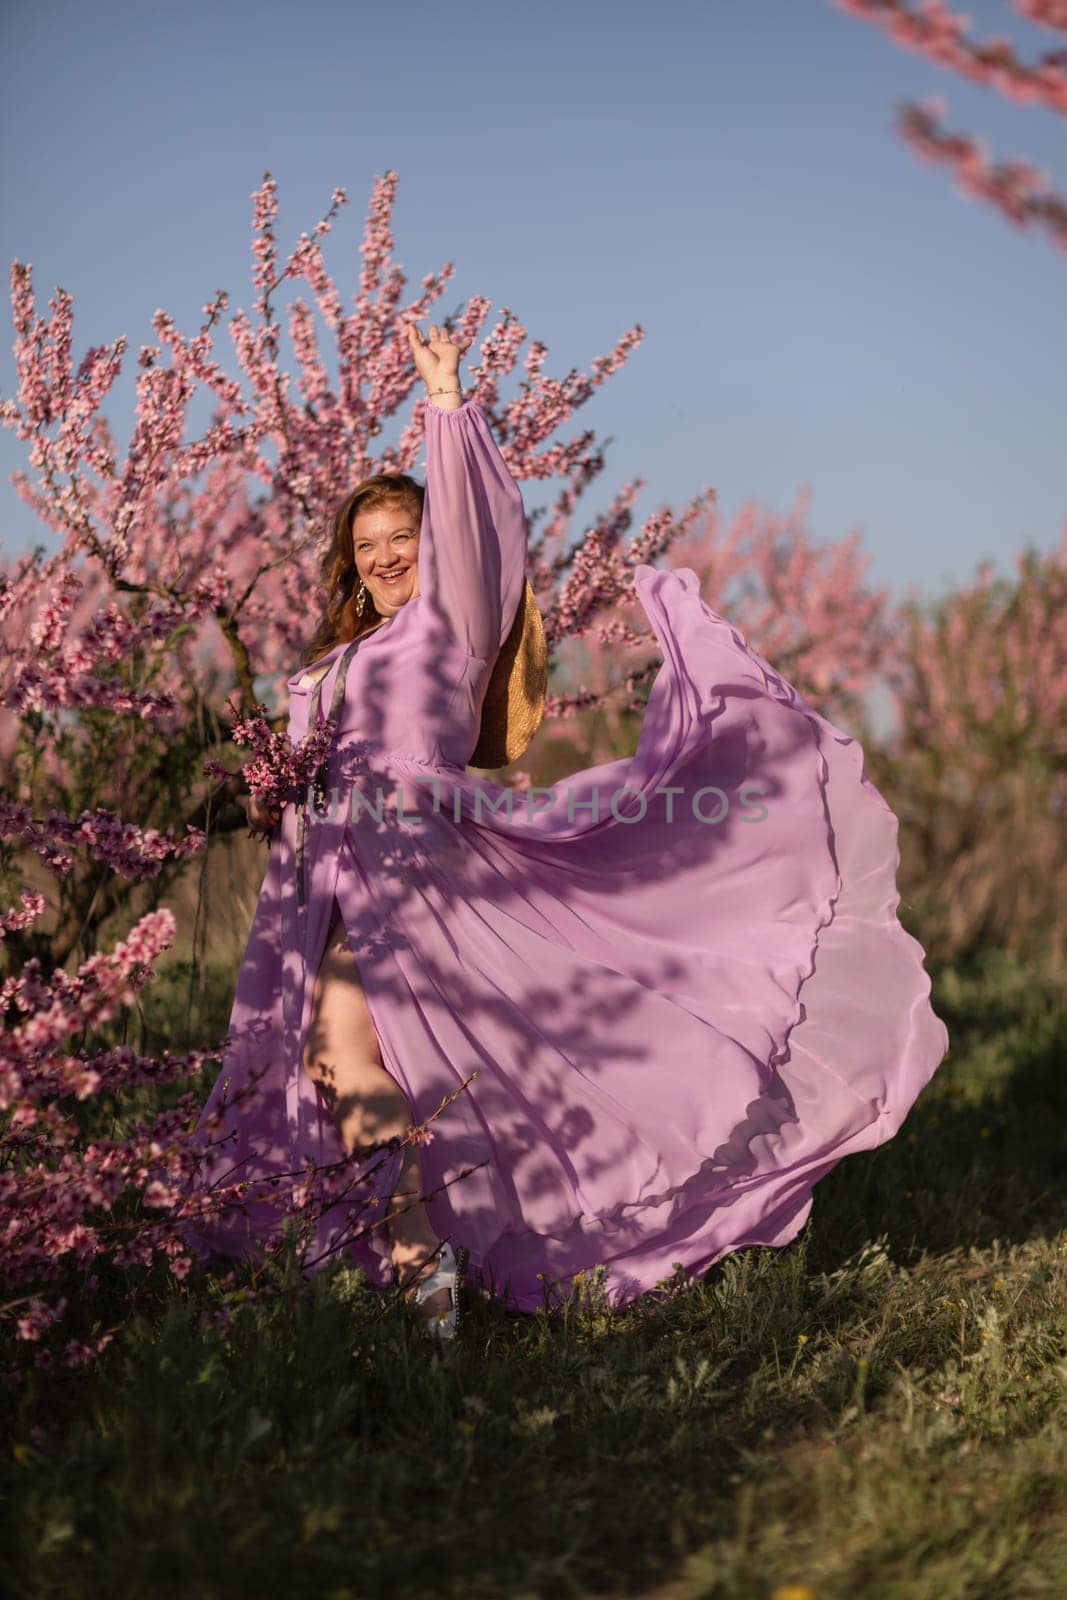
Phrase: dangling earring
(360,596)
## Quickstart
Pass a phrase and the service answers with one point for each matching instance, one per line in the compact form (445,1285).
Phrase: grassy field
(875,1411)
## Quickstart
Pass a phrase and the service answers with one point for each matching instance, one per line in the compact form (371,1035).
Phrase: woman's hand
(261,818)
(437,358)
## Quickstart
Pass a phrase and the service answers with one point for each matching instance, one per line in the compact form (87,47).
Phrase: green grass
(875,1410)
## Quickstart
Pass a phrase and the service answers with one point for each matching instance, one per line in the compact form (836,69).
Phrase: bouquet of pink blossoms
(278,771)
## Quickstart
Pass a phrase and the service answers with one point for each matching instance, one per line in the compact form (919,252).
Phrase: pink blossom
(1015,187)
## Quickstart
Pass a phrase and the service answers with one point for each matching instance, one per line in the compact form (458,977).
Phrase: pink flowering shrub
(62,1184)
(92,1190)
(976,767)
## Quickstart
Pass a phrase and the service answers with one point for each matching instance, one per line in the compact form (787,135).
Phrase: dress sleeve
(472,539)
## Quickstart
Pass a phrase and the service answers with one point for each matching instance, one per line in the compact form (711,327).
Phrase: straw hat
(515,694)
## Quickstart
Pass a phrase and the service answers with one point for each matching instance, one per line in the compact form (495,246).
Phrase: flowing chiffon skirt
(682,1009)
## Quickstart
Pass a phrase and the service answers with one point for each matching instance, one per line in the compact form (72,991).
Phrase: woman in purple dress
(679,977)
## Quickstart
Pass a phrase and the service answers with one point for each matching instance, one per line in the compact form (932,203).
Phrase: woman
(679,978)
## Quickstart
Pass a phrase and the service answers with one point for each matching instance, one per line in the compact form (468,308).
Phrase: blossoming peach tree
(171,583)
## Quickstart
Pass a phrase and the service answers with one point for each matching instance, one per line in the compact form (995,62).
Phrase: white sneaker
(448,1274)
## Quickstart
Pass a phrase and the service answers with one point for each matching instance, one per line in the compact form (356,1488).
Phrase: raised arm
(472,544)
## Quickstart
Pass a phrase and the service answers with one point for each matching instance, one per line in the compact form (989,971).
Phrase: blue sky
(821,309)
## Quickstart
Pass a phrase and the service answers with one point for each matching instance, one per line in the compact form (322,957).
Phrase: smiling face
(386,546)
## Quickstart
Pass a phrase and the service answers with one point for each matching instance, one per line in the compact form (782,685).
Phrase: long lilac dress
(680,976)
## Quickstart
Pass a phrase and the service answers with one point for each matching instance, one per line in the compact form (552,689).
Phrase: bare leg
(343,1056)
